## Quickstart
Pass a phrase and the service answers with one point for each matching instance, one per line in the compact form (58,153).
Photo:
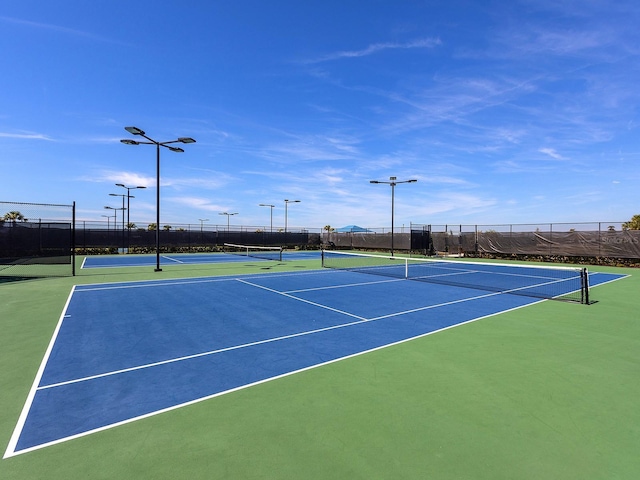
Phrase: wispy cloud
(315,147)
(198,203)
(375,48)
(56,29)
(26,136)
(127,178)
(555,42)
(210,182)
(552,153)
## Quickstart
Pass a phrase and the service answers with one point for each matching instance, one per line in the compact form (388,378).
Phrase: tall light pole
(271,208)
(128,202)
(114,215)
(115,223)
(108,222)
(393,182)
(228,215)
(150,141)
(123,209)
(202,220)
(286,203)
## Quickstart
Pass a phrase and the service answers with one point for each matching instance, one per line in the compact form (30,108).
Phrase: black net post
(73,239)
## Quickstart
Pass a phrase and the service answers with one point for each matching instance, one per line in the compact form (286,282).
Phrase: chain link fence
(36,240)
(574,240)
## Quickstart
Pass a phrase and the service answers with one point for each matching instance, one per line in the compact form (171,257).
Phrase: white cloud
(314,147)
(198,203)
(130,179)
(56,29)
(552,153)
(378,47)
(26,136)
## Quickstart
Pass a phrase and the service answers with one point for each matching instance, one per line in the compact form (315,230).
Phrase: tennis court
(154,372)
(124,351)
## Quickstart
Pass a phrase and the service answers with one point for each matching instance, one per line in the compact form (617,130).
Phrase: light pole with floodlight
(150,141)
(115,222)
(393,182)
(228,216)
(202,220)
(129,196)
(270,208)
(286,203)
(123,209)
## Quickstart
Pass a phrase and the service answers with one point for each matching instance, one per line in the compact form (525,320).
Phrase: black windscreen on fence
(35,244)
(421,242)
(607,240)
(36,248)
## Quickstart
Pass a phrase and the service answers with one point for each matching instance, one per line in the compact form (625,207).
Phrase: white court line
(177,281)
(359,320)
(346,285)
(591,274)
(34,387)
(171,259)
(11,448)
(187,281)
(429,307)
(154,283)
(284,294)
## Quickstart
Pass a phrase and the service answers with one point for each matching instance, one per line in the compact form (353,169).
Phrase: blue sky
(505,112)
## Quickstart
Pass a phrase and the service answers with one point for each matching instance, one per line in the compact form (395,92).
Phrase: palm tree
(14,217)
(633,224)
(329,229)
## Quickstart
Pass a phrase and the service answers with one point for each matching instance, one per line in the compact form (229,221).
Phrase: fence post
(475,246)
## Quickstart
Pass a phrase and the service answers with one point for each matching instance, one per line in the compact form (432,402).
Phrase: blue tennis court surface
(124,351)
(112,261)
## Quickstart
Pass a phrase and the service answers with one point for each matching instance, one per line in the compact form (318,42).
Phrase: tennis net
(548,282)
(255,251)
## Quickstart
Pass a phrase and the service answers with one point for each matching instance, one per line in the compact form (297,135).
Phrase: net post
(406,268)
(584,278)
(73,239)
(322,257)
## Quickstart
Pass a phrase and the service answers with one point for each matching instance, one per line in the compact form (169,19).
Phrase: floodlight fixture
(393,182)
(150,141)
(286,203)
(134,130)
(228,217)
(271,209)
